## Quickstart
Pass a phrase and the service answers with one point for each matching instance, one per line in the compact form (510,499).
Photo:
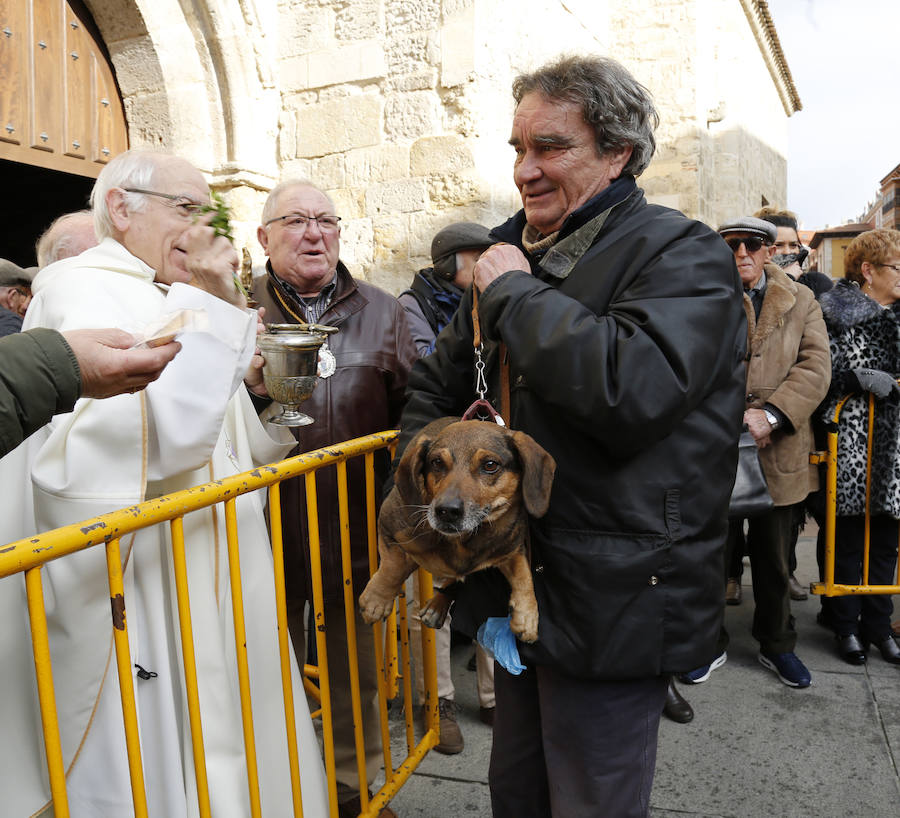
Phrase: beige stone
(365,166)
(439,154)
(339,125)
(401,196)
(411,115)
(346,63)
(359,20)
(458,45)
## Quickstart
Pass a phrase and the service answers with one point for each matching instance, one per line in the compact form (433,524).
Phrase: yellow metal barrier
(29,555)
(828,587)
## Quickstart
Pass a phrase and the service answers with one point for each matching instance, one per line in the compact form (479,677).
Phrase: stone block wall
(401,109)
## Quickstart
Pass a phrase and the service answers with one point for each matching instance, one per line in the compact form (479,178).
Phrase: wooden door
(59,103)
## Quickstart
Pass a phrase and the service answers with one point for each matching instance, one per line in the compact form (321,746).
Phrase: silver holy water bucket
(291,353)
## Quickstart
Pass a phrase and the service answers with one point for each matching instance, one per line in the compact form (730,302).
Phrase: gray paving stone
(756,748)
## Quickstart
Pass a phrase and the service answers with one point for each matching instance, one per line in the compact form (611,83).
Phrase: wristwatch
(772,418)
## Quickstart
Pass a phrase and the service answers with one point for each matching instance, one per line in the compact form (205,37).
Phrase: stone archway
(197,78)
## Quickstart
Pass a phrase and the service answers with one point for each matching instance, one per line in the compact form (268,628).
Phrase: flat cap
(12,275)
(751,225)
(459,236)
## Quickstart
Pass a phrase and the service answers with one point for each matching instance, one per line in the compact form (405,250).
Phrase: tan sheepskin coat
(789,367)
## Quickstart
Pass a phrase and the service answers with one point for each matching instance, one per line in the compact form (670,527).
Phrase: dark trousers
(768,543)
(867,615)
(573,748)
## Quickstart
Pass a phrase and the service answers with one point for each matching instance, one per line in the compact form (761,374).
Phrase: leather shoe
(851,649)
(486,715)
(677,707)
(889,650)
(797,591)
(733,592)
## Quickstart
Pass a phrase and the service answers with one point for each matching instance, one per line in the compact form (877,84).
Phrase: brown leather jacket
(374,352)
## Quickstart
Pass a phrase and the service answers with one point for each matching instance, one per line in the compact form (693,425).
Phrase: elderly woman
(862,314)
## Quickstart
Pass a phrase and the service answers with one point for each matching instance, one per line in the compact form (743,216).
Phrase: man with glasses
(788,373)
(363,370)
(157,256)
(15,295)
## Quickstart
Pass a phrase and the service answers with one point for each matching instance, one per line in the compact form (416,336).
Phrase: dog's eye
(490,466)
(436,463)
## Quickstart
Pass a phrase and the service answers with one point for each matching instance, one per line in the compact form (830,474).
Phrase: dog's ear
(409,478)
(410,475)
(538,468)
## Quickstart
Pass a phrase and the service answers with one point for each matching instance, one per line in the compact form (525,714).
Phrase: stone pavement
(755,748)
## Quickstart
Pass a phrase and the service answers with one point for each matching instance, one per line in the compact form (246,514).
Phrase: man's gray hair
(60,240)
(133,168)
(612,101)
(269,208)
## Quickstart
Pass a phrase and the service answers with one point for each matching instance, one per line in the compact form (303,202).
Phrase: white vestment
(195,424)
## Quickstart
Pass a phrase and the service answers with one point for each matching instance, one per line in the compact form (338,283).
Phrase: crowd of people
(635,343)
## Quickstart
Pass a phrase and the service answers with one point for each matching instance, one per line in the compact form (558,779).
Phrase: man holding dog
(363,374)
(625,340)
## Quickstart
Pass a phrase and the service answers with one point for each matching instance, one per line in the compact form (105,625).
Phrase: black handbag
(750,495)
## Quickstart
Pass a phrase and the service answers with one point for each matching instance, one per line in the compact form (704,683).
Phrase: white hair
(66,236)
(271,204)
(133,168)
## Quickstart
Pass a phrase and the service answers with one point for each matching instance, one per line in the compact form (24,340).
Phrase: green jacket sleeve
(39,378)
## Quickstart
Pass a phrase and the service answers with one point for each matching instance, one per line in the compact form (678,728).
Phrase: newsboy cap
(12,275)
(459,236)
(751,225)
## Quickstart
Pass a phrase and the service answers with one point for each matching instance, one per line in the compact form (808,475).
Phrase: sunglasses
(753,243)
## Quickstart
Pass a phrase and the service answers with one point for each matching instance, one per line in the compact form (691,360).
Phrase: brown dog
(460,503)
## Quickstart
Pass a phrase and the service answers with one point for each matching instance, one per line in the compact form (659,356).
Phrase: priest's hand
(253,380)
(110,367)
(212,262)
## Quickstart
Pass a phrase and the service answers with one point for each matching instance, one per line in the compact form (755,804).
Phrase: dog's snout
(450,511)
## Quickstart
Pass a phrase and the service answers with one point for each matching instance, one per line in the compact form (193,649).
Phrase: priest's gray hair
(612,101)
(133,168)
(271,204)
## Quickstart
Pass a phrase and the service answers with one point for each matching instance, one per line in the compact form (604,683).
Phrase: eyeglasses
(894,267)
(298,222)
(753,243)
(182,204)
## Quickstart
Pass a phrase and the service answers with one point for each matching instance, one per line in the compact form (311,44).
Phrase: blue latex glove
(497,639)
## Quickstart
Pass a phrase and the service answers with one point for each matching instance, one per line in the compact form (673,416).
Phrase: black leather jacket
(374,352)
(629,371)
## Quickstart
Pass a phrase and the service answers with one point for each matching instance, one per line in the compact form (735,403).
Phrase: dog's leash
(481,409)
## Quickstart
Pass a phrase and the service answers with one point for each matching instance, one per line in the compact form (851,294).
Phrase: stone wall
(401,109)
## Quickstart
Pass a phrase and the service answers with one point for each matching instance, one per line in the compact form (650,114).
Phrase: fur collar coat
(863,334)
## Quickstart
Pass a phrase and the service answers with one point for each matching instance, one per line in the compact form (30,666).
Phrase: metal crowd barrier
(29,555)
(828,587)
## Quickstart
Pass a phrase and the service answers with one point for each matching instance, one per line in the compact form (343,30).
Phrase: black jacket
(630,373)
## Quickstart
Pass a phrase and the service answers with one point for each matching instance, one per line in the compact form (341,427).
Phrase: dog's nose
(450,512)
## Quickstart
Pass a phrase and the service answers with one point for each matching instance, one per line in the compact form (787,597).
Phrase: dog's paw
(374,606)
(434,613)
(523,622)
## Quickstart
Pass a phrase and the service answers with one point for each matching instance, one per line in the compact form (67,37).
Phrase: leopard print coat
(862,333)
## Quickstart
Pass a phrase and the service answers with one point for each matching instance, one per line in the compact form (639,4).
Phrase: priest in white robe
(195,424)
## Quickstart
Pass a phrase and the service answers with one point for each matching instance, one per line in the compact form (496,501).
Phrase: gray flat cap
(751,225)
(459,236)
(12,275)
